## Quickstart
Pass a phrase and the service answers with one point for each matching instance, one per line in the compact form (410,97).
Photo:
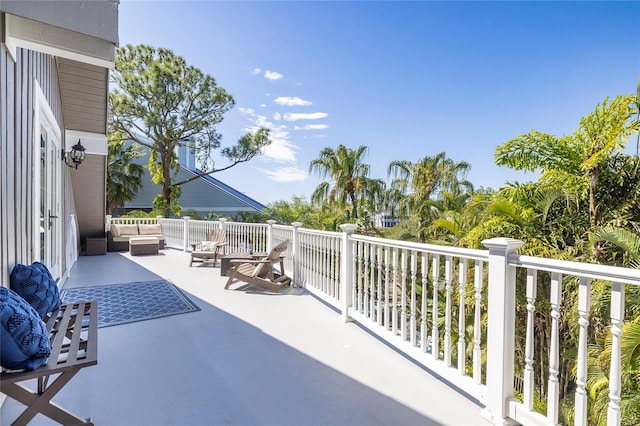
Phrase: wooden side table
(95,246)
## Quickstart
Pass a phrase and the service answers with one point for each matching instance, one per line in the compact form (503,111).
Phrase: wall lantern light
(76,155)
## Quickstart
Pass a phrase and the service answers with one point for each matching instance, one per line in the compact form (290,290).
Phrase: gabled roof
(204,194)
(227,189)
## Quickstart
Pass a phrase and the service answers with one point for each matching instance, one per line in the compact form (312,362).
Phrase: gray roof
(206,194)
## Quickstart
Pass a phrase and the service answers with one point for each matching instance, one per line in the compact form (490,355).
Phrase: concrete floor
(247,358)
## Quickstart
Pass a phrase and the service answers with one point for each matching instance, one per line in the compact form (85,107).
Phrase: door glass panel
(43,194)
(54,206)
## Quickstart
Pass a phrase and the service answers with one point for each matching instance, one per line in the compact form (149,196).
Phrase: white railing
(423,299)
(173,230)
(199,230)
(452,310)
(318,262)
(246,237)
(559,275)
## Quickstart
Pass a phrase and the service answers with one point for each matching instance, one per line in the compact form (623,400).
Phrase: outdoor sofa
(118,235)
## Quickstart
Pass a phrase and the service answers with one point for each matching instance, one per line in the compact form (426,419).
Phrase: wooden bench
(73,330)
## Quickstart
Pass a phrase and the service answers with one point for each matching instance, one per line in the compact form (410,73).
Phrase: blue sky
(407,79)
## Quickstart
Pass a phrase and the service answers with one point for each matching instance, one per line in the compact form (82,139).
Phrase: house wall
(17,185)
(88,189)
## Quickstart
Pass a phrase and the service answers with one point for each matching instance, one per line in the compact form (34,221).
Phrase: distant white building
(385,220)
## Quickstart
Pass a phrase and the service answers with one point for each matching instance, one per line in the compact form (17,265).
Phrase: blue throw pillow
(24,341)
(36,285)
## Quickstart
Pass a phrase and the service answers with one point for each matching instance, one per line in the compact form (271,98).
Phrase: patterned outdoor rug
(131,302)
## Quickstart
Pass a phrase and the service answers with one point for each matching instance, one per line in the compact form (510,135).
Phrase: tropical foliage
(124,175)
(420,182)
(584,207)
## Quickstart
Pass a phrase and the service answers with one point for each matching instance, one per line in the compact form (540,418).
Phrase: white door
(50,211)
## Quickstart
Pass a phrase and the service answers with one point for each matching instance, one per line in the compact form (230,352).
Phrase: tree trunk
(354,203)
(166,178)
(592,174)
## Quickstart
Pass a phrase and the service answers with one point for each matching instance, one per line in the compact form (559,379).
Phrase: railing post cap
(296,224)
(187,218)
(223,219)
(271,221)
(348,228)
(159,216)
(502,243)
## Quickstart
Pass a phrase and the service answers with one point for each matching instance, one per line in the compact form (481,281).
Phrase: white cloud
(300,116)
(246,111)
(256,71)
(312,127)
(263,105)
(267,94)
(286,174)
(291,101)
(281,148)
(272,75)
(277,116)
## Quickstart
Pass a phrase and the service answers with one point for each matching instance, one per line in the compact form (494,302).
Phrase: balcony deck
(247,358)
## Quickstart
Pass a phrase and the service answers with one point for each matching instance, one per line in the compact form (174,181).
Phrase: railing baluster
(614,415)
(424,268)
(553,401)
(412,319)
(304,261)
(336,267)
(394,294)
(325,257)
(584,301)
(380,302)
(435,332)
(477,331)
(462,348)
(387,284)
(313,260)
(448,272)
(372,283)
(365,280)
(529,377)
(403,299)
(357,253)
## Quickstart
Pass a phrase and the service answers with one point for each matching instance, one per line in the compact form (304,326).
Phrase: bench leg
(41,403)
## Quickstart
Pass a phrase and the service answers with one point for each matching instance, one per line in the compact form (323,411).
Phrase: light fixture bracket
(76,155)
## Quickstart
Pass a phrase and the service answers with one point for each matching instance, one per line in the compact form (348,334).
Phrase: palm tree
(124,177)
(348,176)
(422,180)
(390,201)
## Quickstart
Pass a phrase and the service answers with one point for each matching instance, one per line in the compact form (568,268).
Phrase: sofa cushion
(126,238)
(115,230)
(35,284)
(23,335)
(127,230)
(149,229)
